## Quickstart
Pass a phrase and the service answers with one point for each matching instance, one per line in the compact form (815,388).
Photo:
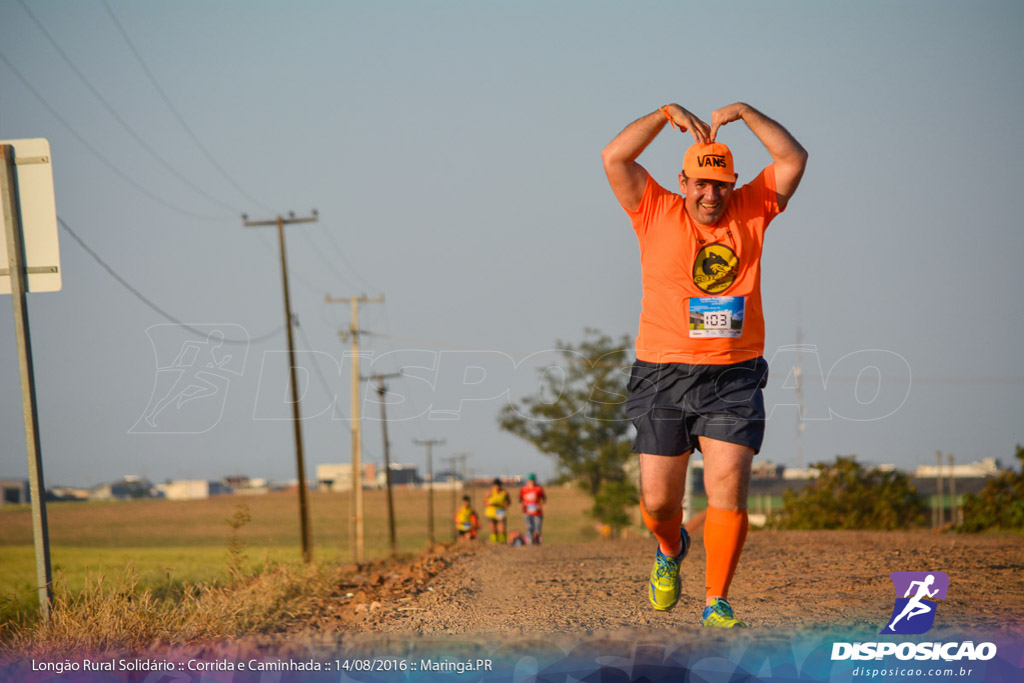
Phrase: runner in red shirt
(532,498)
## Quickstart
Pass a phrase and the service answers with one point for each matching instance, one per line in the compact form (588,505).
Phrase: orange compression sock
(724,534)
(667,532)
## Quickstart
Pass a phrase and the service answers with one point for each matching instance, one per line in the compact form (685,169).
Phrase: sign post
(15,272)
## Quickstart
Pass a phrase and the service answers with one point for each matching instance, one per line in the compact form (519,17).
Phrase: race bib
(531,507)
(500,513)
(716,316)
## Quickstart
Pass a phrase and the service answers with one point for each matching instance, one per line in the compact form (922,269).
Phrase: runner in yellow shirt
(498,502)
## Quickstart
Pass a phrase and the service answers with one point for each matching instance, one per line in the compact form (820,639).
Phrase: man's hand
(625,175)
(686,120)
(720,117)
(788,156)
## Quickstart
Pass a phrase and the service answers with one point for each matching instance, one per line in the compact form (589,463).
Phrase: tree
(1000,505)
(578,416)
(847,496)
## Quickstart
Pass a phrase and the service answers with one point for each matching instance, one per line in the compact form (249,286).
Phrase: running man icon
(915,607)
(916,587)
(191,383)
(194,368)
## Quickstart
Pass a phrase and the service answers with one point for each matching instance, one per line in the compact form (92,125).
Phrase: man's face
(705,199)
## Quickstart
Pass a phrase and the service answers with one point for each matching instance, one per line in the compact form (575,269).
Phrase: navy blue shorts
(671,404)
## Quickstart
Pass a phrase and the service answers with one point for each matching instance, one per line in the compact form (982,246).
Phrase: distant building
(445,481)
(403,475)
(797,474)
(338,477)
(14,492)
(129,488)
(67,493)
(194,489)
(507,481)
(289,485)
(989,467)
(766,470)
(247,486)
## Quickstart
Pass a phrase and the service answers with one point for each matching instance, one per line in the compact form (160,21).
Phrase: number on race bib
(717,320)
(717,316)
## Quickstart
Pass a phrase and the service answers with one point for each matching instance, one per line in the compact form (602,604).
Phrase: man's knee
(662,504)
(661,484)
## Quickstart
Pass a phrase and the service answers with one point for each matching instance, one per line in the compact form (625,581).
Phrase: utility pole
(429,443)
(280,222)
(357,439)
(461,457)
(952,487)
(940,513)
(382,390)
(451,481)
(798,372)
(465,480)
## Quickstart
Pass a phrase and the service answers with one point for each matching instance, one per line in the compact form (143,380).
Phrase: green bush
(1000,505)
(578,417)
(847,496)
(611,503)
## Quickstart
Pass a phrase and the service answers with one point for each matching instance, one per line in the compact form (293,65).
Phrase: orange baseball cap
(709,161)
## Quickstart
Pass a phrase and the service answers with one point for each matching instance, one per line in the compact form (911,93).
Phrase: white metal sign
(38,217)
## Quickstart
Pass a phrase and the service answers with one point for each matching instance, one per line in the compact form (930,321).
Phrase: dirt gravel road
(787,580)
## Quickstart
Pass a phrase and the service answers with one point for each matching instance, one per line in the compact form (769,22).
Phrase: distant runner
(498,502)
(532,499)
(466,521)
(699,371)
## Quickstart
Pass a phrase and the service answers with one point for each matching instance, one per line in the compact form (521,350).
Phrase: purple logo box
(914,608)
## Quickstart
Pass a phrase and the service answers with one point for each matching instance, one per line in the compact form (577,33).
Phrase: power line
(330,266)
(522,355)
(96,153)
(324,384)
(174,111)
(345,261)
(316,289)
(141,297)
(117,117)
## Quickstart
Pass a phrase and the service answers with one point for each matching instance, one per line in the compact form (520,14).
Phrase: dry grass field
(171,544)
(275,521)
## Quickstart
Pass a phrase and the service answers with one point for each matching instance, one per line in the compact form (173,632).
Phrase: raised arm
(627,177)
(789,156)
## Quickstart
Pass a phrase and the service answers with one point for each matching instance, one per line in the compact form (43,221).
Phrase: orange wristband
(664,110)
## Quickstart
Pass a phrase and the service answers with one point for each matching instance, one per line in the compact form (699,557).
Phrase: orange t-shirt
(689,269)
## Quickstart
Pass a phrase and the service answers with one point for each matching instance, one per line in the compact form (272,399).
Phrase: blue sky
(452,150)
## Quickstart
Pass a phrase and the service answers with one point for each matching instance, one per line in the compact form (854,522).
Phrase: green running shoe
(663,590)
(719,614)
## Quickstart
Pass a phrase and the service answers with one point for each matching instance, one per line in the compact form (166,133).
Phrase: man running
(699,371)
(532,498)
